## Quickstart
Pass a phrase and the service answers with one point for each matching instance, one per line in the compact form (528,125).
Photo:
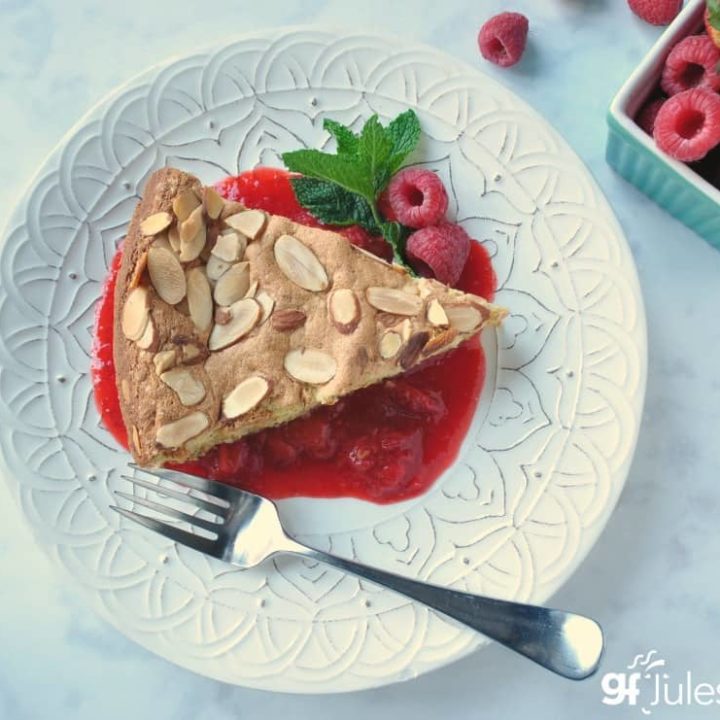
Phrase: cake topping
(247,222)
(213,203)
(176,434)
(184,203)
(230,246)
(266,305)
(190,390)
(300,264)
(464,317)
(147,339)
(412,349)
(154,224)
(310,366)
(164,360)
(394,301)
(288,320)
(436,315)
(246,395)
(244,315)
(136,313)
(216,268)
(233,284)
(199,299)
(166,274)
(390,344)
(344,310)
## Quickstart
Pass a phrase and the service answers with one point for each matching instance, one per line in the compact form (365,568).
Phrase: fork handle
(567,644)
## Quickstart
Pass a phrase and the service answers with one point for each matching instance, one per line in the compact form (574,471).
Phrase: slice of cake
(231,320)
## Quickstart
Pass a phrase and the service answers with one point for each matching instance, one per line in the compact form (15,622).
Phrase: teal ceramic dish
(632,153)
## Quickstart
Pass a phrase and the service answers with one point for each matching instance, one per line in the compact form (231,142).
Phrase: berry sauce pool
(384,444)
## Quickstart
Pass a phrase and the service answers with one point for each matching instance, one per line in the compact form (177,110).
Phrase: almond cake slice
(229,320)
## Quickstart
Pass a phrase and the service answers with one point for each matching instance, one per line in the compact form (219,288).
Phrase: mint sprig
(713,7)
(342,188)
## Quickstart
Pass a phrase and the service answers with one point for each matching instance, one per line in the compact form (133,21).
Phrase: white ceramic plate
(547,453)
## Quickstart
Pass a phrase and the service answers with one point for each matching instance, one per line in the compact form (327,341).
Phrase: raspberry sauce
(383,444)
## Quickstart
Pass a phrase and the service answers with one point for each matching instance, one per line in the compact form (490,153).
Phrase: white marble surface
(652,578)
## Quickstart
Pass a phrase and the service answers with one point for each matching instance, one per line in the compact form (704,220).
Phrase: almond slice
(125,389)
(164,360)
(436,315)
(147,340)
(247,395)
(154,224)
(230,247)
(136,313)
(394,301)
(244,315)
(190,353)
(174,239)
(166,274)
(464,317)
(412,349)
(231,208)
(440,341)
(252,290)
(213,203)
(267,303)
(216,268)
(233,284)
(344,310)
(175,434)
(390,344)
(190,250)
(248,222)
(288,319)
(192,225)
(200,302)
(184,204)
(300,264)
(189,389)
(313,367)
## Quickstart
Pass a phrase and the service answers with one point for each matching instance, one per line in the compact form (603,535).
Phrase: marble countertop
(652,577)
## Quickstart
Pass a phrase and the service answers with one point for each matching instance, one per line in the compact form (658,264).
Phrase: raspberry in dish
(231,320)
(692,63)
(656,12)
(688,125)
(417,198)
(502,39)
(647,116)
(440,251)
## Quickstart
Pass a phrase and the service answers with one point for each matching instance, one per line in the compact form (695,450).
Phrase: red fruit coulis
(384,444)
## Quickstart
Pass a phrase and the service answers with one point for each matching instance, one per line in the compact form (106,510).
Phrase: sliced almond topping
(200,302)
(267,303)
(247,395)
(440,341)
(216,268)
(222,315)
(154,224)
(184,203)
(464,317)
(136,439)
(412,349)
(174,238)
(125,388)
(244,315)
(252,290)
(213,203)
(138,271)
(189,389)
(248,222)
(436,315)
(394,301)
(136,313)
(164,360)
(405,328)
(190,353)
(287,320)
(166,274)
(192,225)
(192,249)
(231,208)
(300,264)
(310,366)
(177,433)
(147,340)
(390,344)
(230,247)
(233,284)
(344,310)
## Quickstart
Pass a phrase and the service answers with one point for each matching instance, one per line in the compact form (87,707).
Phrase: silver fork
(246,530)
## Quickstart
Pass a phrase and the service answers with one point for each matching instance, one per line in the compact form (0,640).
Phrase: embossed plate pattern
(548,451)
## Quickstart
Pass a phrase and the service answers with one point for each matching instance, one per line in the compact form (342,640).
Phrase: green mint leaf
(374,151)
(333,205)
(713,7)
(404,133)
(347,173)
(347,140)
(396,236)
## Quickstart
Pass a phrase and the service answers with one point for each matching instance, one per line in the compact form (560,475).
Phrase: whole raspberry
(439,251)
(692,63)
(647,115)
(656,12)
(688,125)
(502,39)
(417,197)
